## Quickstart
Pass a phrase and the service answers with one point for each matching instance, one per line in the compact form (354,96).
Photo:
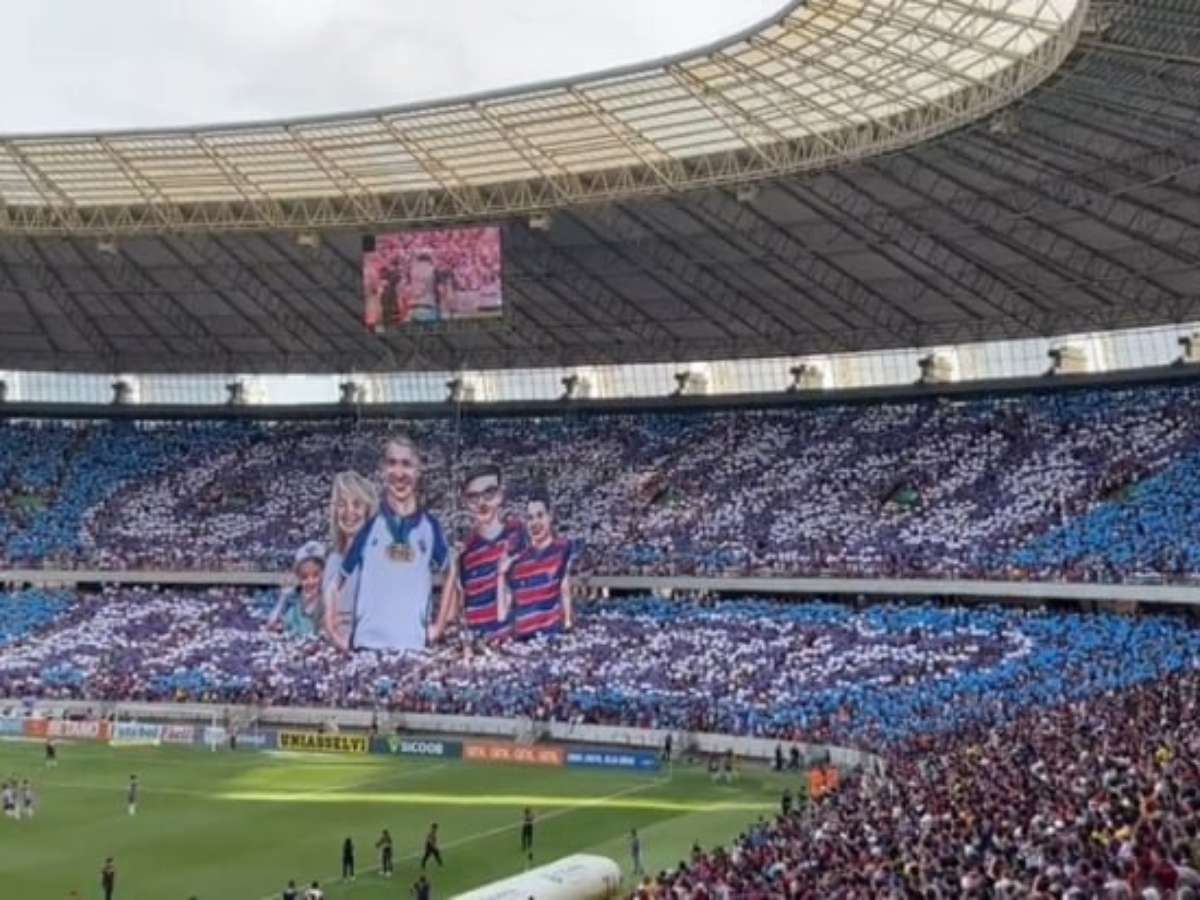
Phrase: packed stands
(1090,485)
(28,612)
(1098,798)
(813,671)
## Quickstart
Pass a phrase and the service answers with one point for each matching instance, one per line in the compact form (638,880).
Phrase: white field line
(500,829)
(186,792)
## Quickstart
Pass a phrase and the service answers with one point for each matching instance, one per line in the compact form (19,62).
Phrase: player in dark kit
(108,878)
(347,860)
(133,795)
(420,889)
(290,892)
(527,832)
(51,754)
(431,847)
(384,846)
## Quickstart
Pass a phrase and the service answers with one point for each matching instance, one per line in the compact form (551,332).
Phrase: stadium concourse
(1089,485)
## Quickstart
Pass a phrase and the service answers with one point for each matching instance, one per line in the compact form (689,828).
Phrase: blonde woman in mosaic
(353,501)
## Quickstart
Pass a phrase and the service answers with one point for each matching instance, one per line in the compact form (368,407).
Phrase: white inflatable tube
(578,877)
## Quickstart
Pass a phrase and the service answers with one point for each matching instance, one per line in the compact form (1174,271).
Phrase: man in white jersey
(395,555)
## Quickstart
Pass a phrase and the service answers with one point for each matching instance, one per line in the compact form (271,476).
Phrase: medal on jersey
(400,528)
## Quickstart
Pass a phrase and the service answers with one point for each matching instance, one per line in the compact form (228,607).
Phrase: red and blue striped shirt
(479,575)
(535,582)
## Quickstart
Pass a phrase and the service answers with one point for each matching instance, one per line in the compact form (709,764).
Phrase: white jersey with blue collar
(394,580)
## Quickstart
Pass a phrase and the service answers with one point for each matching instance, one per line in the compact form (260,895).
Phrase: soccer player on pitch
(527,834)
(133,795)
(384,846)
(536,584)
(108,878)
(51,753)
(394,556)
(431,847)
(9,796)
(27,799)
(474,583)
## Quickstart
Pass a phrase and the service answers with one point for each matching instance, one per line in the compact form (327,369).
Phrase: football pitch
(237,826)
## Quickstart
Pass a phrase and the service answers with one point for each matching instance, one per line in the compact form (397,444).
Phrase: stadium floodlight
(1068,359)
(309,240)
(1097,22)
(1191,348)
(107,246)
(690,382)
(747,193)
(569,383)
(3,390)
(541,221)
(236,391)
(809,376)
(454,390)
(1006,123)
(352,392)
(122,392)
(939,367)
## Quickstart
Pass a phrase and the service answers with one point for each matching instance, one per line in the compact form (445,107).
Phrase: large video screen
(432,276)
(394,575)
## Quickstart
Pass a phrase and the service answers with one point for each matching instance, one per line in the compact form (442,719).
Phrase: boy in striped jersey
(473,586)
(536,583)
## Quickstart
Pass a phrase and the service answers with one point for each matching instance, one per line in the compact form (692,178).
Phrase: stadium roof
(822,82)
(1073,208)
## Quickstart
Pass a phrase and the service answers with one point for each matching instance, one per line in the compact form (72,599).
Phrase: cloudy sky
(82,64)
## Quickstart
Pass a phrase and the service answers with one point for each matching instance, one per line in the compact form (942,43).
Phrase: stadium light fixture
(937,368)
(747,193)
(309,240)
(236,393)
(1068,359)
(541,221)
(569,383)
(122,392)
(1006,123)
(1191,349)
(808,376)
(107,246)
(3,390)
(454,389)
(351,393)
(691,381)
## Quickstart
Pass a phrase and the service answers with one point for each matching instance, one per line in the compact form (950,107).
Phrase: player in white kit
(394,557)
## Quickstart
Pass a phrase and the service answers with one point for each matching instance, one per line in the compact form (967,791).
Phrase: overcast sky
(82,64)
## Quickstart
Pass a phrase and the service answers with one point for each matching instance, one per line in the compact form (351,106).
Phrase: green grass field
(237,826)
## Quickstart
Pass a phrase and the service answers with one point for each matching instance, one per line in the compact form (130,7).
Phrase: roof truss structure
(1075,209)
(822,83)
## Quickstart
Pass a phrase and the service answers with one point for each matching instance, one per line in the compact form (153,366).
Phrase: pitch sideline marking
(209,795)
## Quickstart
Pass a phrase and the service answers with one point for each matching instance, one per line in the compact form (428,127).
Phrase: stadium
(770,470)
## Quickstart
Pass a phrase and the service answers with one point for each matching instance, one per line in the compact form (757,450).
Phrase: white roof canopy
(821,83)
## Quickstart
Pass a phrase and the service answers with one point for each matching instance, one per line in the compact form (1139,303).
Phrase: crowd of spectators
(1087,485)
(805,671)
(1095,798)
